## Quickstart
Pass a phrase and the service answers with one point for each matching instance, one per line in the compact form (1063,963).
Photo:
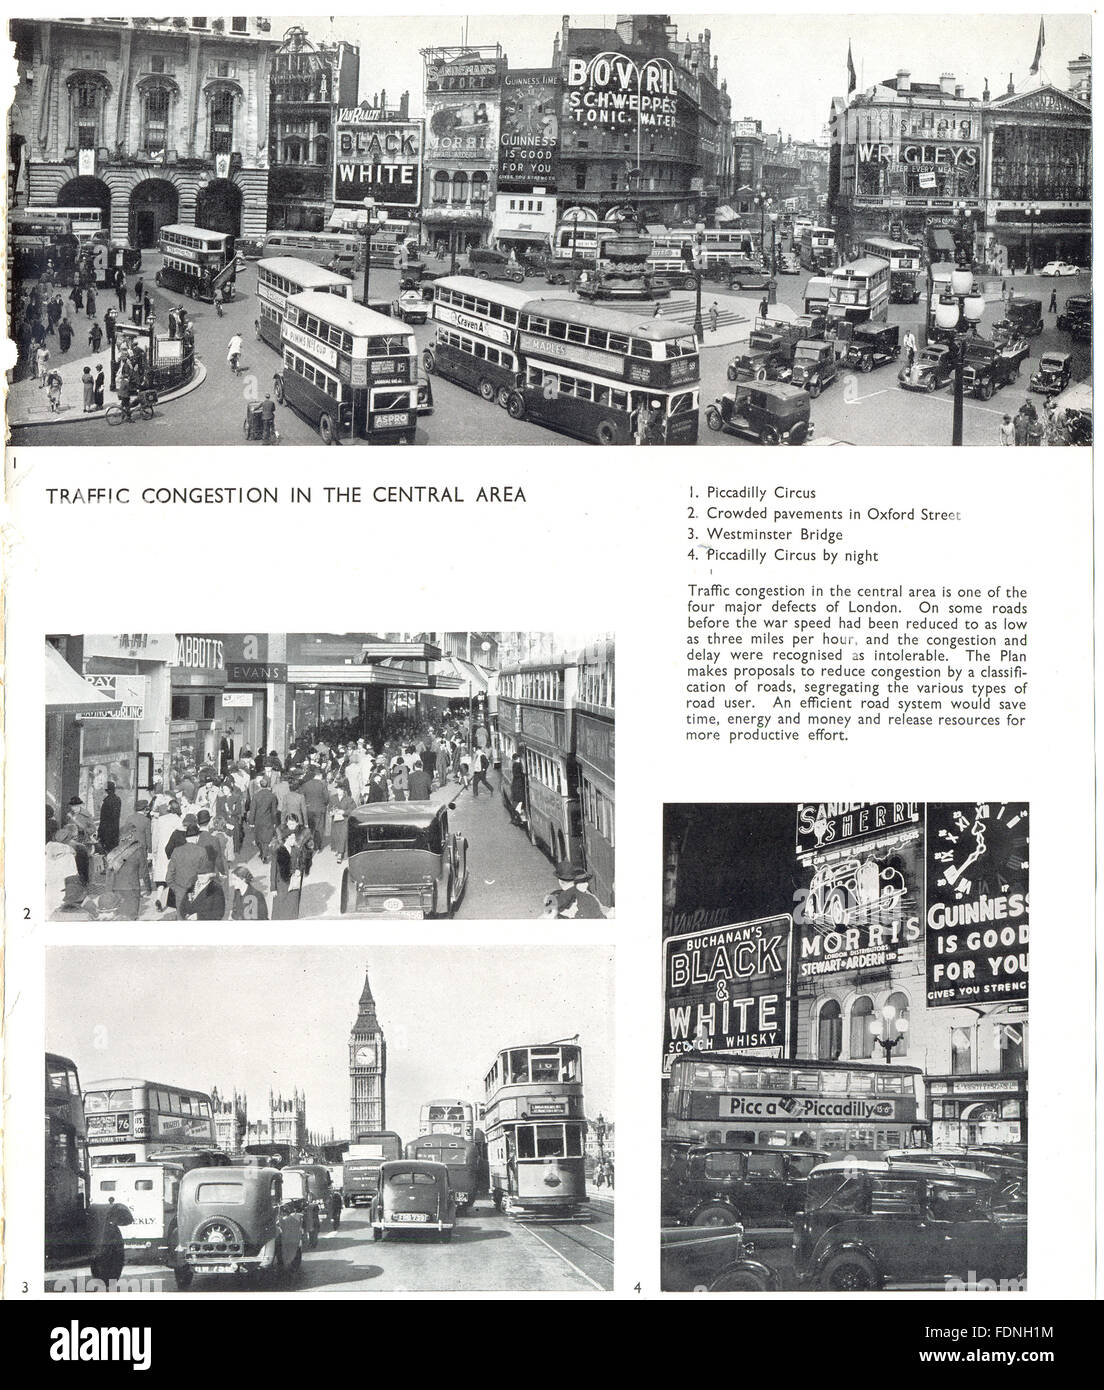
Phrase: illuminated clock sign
(977,903)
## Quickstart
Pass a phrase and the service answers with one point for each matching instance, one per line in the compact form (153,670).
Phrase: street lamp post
(889,1031)
(372,219)
(1031,213)
(959,313)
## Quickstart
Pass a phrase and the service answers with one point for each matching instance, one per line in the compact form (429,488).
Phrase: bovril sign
(613,89)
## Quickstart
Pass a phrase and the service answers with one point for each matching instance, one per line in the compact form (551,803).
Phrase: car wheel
(769,435)
(429,362)
(713,419)
(486,389)
(502,396)
(518,276)
(850,1272)
(278,389)
(515,406)
(866,365)
(738,1281)
(987,391)
(326,429)
(731,371)
(813,389)
(377,1234)
(689,283)
(606,432)
(835,908)
(931,386)
(715,1214)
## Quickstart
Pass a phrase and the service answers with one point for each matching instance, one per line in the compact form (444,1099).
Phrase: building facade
(1008,177)
(645,121)
(231,1113)
(367,1069)
(309,84)
(462,102)
(154,121)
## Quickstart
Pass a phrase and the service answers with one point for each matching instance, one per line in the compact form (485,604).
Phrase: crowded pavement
(855,409)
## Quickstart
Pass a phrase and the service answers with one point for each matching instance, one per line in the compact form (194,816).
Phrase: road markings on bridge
(595,1232)
(592,1282)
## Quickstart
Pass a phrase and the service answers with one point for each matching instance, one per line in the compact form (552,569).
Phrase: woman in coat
(125,866)
(166,821)
(88,386)
(340,807)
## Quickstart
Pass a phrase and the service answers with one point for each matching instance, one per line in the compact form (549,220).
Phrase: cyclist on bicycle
(233,353)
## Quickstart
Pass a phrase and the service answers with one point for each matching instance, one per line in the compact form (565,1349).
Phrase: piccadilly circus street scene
(845,1047)
(623,230)
(441,1119)
(366,777)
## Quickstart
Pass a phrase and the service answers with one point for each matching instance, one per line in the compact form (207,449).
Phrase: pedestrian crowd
(1028,427)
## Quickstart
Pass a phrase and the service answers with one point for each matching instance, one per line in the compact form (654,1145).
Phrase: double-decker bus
(576,240)
(348,370)
(197,261)
(904,267)
(454,1117)
(718,245)
(77,1229)
(858,292)
(601,374)
(38,235)
(536,1131)
(845,1107)
(130,1119)
(278,278)
(465,1158)
(475,343)
(817,248)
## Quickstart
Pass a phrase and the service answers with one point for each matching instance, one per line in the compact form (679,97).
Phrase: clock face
(365,1055)
(980,850)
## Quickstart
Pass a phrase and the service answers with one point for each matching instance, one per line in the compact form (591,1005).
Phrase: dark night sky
(740,855)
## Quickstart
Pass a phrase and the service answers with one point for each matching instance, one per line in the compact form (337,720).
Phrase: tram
(536,1132)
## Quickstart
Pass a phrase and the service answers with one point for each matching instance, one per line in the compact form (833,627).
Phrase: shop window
(862,1039)
(829,1031)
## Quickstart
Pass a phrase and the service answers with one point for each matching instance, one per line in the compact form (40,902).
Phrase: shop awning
(538,238)
(67,692)
(726,214)
(467,673)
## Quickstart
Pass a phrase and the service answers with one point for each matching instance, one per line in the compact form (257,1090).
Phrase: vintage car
(934,367)
(770,412)
(150,1192)
(696,1261)
(853,891)
(872,345)
(1076,316)
(868,1223)
(904,287)
(788,264)
(751,1185)
(297,1198)
(1008,1171)
(742,275)
(814,366)
(404,861)
(990,365)
(1059,268)
(769,357)
(1052,374)
(1023,318)
(321,1197)
(236,1221)
(413,1195)
(488,264)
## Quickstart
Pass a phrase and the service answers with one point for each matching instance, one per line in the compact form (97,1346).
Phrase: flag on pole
(852,80)
(1039,49)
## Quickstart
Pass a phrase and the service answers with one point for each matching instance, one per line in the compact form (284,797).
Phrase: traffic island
(29,405)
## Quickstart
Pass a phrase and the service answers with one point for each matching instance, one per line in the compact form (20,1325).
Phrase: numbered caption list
(821,662)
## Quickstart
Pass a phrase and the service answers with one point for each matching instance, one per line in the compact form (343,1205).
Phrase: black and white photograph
(442,1120)
(381,776)
(845,1046)
(512,230)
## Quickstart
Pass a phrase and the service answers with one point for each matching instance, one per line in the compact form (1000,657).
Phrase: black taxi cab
(404,861)
(770,412)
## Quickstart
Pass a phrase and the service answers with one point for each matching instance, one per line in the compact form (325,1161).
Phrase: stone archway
(86,192)
(219,206)
(154,203)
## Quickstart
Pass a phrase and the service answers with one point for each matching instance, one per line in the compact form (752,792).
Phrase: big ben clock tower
(367,1069)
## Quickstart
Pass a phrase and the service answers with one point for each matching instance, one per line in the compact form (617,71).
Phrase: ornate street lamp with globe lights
(958,314)
(889,1030)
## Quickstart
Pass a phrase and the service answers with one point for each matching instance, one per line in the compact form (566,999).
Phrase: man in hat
(561,902)
(249,904)
(210,843)
(77,832)
(186,863)
(263,813)
(111,808)
(588,904)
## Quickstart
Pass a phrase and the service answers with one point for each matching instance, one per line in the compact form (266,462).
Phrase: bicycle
(143,403)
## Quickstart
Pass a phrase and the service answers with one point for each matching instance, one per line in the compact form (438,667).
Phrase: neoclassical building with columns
(154,121)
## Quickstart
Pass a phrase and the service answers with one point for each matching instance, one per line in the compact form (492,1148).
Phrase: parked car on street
(1052,374)
(1076,316)
(743,276)
(766,411)
(868,1222)
(1008,1171)
(236,1221)
(404,861)
(788,264)
(488,264)
(706,1261)
(322,1205)
(991,365)
(873,344)
(751,1185)
(1060,268)
(933,368)
(1023,318)
(769,357)
(413,1195)
(814,366)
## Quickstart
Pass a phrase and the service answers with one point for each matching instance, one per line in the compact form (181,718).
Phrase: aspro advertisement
(977,903)
(377,159)
(529,135)
(727,989)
